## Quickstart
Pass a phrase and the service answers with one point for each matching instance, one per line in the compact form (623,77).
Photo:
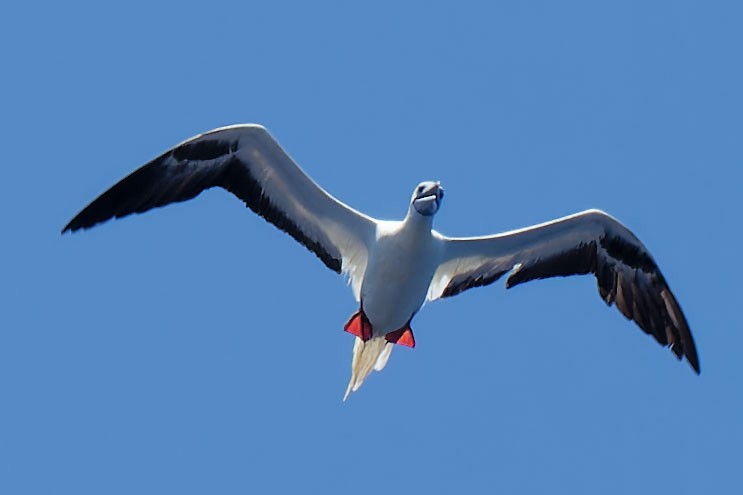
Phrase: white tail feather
(367,356)
(384,357)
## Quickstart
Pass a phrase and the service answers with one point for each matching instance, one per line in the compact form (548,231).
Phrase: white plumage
(394,266)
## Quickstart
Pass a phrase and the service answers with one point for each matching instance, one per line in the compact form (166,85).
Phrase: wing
(248,162)
(587,242)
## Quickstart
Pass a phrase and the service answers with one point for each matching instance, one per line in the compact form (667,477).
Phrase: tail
(367,356)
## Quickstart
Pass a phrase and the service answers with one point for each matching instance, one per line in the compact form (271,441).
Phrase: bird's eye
(420,189)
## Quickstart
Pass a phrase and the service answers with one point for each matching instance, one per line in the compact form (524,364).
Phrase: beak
(433,190)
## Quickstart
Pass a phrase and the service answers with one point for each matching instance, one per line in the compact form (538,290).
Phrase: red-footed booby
(393,267)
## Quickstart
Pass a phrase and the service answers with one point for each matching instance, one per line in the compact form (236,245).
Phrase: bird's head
(427,198)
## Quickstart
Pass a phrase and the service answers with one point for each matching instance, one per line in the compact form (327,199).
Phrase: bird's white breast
(400,268)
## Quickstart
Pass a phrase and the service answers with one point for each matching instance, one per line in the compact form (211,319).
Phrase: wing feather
(587,242)
(246,161)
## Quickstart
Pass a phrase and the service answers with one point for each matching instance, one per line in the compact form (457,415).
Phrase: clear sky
(197,349)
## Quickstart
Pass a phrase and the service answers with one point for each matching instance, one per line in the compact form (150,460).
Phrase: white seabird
(394,266)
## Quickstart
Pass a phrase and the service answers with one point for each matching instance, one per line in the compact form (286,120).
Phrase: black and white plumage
(248,162)
(394,266)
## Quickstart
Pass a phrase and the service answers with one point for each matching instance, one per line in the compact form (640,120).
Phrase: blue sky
(196,349)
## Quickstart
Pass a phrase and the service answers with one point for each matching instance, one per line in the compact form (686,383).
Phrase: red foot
(359,325)
(404,336)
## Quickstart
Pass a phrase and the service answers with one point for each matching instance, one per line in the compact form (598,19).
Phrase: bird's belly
(394,289)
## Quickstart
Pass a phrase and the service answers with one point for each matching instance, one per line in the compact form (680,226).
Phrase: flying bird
(393,267)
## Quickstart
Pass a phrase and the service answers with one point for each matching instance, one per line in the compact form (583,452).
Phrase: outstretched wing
(587,242)
(247,161)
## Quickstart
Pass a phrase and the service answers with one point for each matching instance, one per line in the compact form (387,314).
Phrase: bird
(394,267)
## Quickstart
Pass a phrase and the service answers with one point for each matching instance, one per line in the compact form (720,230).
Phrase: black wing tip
(70,227)
(693,359)
(687,350)
(693,362)
(73,226)
(78,223)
